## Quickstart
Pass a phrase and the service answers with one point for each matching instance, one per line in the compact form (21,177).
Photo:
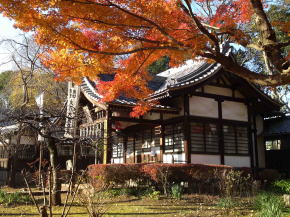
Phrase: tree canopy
(90,37)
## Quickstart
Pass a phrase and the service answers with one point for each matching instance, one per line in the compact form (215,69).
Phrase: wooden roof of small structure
(277,126)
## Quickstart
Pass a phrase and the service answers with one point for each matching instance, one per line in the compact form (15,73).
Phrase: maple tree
(91,37)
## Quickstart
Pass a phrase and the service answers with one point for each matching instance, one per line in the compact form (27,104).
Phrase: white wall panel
(234,111)
(202,106)
(238,161)
(205,159)
(178,158)
(218,90)
(117,160)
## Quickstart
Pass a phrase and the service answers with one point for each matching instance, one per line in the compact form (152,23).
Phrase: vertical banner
(73,96)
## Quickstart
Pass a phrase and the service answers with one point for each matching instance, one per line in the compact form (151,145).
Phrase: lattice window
(236,139)
(130,144)
(147,138)
(174,137)
(204,137)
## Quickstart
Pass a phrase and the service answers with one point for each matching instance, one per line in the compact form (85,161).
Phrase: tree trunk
(56,183)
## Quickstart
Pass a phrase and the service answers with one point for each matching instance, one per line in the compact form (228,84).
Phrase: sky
(7,31)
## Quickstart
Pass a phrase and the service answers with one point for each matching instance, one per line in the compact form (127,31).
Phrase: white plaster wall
(178,158)
(202,106)
(205,159)
(238,161)
(169,116)
(152,116)
(234,111)
(218,90)
(117,160)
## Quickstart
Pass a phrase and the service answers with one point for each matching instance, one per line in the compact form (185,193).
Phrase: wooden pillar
(255,141)
(221,132)
(134,148)
(125,149)
(250,136)
(187,140)
(162,137)
(107,138)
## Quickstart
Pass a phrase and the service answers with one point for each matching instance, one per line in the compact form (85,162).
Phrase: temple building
(206,115)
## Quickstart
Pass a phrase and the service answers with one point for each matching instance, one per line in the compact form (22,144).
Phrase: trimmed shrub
(161,176)
(115,174)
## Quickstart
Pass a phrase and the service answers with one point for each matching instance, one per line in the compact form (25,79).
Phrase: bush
(269,205)
(176,191)
(282,186)
(13,198)
(162,176)
(115,174)
(234,183)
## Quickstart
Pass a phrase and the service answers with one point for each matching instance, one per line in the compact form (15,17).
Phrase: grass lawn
(193,205)
(189,206)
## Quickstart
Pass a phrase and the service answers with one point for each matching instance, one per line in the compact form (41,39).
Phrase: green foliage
(4,79)
(176,191)
(13,198)
(151,193)
(159,65)
(278,13)
(137,192)
(269,205)
(226,203)
(282,186)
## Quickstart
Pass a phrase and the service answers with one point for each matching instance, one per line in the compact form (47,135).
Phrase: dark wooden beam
(255,140)
(125,149)
(162,138)
(135,120)
(250,136)
(187,142)
(221,132)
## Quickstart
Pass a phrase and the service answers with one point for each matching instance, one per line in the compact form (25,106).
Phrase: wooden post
(221,132)
(107,137)
(250,136)
(255,141)
(125,149)
(187,142)
(162,137)
(134,149)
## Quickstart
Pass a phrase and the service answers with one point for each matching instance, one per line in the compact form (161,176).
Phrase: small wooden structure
(277,142)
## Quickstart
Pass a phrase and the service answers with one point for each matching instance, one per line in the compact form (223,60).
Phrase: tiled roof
(191,73)
(277,126)
(87,86)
